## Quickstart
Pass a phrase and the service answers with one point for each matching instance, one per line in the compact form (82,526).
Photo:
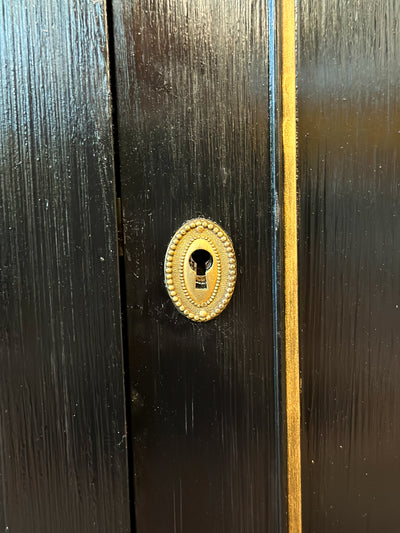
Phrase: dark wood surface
(193,99)
(62,432)
(349,178)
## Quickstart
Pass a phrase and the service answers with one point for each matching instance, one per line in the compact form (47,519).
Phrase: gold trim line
(288,91)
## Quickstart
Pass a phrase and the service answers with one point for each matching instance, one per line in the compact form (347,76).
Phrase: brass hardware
(200,269)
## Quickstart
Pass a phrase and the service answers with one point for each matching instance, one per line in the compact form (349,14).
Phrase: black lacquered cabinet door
(195,137)
(194,140)
(63,460)
(349,254)
(198,93)
(173,107)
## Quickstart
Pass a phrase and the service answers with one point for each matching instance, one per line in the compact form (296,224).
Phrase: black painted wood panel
(349,251)
(62,429)
(194,138)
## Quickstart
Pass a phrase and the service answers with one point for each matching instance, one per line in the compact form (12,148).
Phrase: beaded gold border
(210,309)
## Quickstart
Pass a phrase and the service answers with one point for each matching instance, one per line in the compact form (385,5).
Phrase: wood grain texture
(349,117)
(193,99)
(62,430)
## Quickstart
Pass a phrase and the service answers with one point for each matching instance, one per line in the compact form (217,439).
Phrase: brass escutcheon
(200,269)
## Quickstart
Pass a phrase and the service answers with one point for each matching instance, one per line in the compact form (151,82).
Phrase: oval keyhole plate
(200,269)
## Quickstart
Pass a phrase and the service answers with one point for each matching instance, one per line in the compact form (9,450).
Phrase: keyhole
(200,261)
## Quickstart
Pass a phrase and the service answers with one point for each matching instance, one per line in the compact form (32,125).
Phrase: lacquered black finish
(62,434)
(192,80)
(349,172)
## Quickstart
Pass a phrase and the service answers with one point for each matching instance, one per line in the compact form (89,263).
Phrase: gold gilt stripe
(288,93)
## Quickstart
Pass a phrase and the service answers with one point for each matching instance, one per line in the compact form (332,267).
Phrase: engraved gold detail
(181,279)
